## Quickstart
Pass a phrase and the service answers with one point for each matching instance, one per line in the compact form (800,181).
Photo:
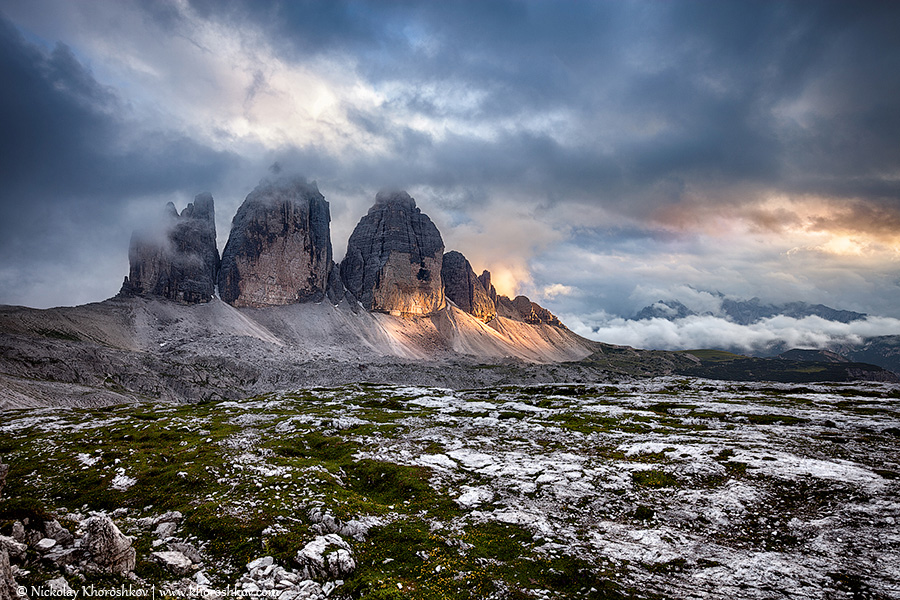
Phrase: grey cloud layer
(618,125)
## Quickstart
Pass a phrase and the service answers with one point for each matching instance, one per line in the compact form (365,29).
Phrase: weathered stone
(174,562)
(164,530)
(177,258)
(260,563)
(59,557)
(188,550)
(45,545)
(109,551)
(52,529)
(464,289)
(18,531)
(279,249)
(394,258)
(326,557)
(7,582)
(173,516)
(14,548)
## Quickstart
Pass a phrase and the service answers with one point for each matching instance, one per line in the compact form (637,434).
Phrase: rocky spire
(394,258)
(279,250)
(464,289)
(177,258)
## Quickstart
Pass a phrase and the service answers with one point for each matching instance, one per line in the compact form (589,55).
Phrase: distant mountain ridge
(747,312)
(276,313)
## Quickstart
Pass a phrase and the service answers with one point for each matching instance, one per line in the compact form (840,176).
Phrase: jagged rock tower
(464,289)
(178,259)
(394,258)
(279,250)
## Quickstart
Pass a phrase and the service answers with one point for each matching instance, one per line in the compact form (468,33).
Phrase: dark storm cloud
(72,158)
(627,114)
(64,133)
(719,79)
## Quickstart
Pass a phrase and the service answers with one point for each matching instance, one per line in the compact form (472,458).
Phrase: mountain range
(275,312)
(883,351)
(747,312)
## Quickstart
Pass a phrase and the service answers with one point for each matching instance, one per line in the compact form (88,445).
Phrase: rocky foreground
(660,488)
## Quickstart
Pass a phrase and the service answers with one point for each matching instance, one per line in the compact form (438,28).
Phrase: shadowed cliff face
(394,258)
(464,289)
(279,250)
(178,259)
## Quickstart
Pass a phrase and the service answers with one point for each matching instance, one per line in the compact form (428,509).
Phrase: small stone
(201,579)
(263,562)
(45,545)
(173,516)
(308,590)
(52,529)
(166,529)
(326,557)
(188,550)
(175,562)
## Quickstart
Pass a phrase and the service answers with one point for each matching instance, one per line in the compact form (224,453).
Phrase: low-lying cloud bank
(775,334)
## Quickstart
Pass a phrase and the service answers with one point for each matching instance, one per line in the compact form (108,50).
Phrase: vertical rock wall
(394,258)
(279,249)
(464,289)
(176,258)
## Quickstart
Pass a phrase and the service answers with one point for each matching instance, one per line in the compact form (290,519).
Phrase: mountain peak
(175,258)
(394,258)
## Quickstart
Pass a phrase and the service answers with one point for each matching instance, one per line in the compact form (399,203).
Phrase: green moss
(653,478)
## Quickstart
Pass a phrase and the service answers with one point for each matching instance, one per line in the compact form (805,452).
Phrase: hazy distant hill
(747,312)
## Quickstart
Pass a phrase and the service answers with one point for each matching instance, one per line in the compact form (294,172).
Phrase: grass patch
(653,478)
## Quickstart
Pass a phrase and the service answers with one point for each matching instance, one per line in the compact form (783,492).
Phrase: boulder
(176,257)
(326,557)
(173,561)
(164,530)
(108,550)
(188,550)
(464,288)
(279,249)
(52,529)
(394,258)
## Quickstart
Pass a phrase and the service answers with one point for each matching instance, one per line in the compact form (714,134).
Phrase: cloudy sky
(597,156)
